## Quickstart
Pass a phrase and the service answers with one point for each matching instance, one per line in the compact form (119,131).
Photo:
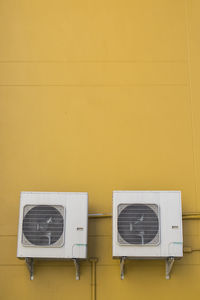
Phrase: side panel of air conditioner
(172,225)
(170,219)
(75,224)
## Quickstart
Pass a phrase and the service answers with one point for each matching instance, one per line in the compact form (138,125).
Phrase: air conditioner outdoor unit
(53,225)
(147,224)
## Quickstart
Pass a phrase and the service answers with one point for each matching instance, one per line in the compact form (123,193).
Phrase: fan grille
(43,226)
(138,224)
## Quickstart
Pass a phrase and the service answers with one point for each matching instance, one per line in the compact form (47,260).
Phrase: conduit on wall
(185,216)
(191,216)
(93,261)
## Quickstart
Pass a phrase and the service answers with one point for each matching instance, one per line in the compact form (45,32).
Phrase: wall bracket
(169,264)
(77,267)
(122,262)
(29,263)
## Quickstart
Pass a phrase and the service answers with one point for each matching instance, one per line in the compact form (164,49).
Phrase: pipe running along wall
(185,216)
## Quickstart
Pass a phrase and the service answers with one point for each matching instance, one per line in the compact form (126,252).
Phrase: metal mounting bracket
(122,262)
(29,263)
(169,264)
(77,267)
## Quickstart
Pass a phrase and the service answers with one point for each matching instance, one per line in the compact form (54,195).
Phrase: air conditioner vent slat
(138,224)
(43,225)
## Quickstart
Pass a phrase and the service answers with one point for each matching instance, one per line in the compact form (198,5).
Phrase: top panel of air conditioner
(147,224)
(53,225)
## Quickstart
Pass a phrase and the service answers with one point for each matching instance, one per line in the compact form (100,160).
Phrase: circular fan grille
(43,225)
(138,224)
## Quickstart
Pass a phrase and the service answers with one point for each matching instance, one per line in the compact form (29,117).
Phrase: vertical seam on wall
(188,52)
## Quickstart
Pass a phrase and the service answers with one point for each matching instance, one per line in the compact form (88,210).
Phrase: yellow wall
(97,96)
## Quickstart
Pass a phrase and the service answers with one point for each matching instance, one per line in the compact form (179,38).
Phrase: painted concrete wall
(97,96)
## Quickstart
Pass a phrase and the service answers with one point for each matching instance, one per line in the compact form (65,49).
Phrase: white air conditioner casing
(147,224)
(53,225)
